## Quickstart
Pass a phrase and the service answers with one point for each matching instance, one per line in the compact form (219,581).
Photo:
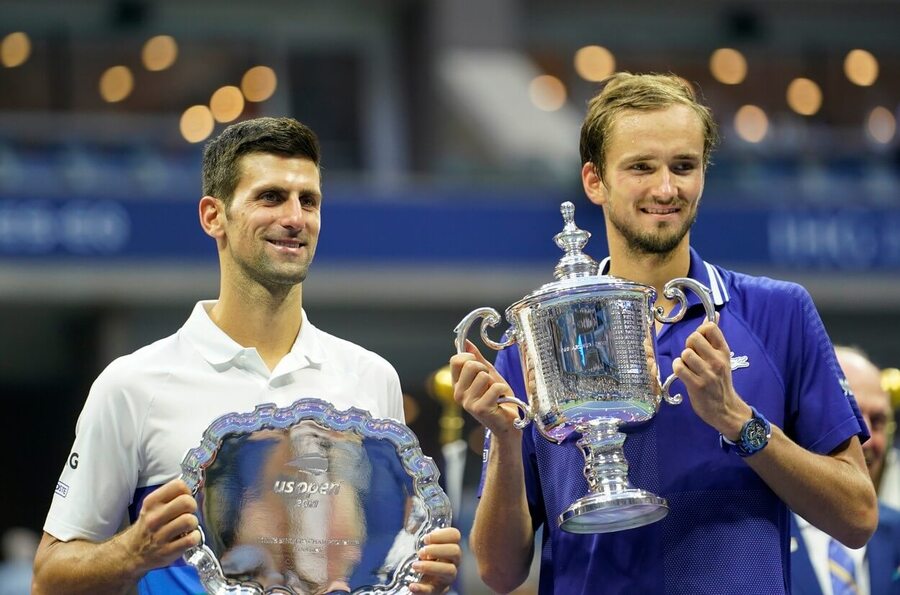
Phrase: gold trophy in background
(889,488)
(453,447)
(890,382)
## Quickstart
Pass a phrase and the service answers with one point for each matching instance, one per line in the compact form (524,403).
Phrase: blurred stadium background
(450,133)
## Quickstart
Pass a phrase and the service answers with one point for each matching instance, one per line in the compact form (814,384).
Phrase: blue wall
(481,230)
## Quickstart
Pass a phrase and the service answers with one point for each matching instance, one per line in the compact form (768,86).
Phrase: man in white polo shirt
(262,205)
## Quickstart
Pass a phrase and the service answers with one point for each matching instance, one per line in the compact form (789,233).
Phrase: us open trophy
(587,344)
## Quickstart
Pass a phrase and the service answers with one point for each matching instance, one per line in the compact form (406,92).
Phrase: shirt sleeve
(377,384)
(394,395)
(100,475)
(823,409)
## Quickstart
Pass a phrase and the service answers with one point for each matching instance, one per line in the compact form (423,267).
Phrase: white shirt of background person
(817,543)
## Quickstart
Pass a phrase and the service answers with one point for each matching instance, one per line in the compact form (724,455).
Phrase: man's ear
(212,216)
(593,185)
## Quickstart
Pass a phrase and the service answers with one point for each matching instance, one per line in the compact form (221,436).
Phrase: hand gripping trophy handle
(673,290)
(490,319)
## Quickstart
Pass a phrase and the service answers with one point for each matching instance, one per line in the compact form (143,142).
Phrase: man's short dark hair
(279,136)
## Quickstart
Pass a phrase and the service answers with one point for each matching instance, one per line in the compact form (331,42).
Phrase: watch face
(755,435)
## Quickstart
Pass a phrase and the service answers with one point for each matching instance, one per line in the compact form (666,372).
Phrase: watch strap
(743,447)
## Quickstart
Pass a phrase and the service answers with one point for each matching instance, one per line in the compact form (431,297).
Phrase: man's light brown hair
(644,92)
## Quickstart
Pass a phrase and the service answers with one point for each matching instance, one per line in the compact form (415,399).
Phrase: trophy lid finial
(568,212)
(571,239)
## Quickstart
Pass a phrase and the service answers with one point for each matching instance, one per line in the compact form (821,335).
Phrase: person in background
(819,564)
(18,545)
(262,205)
(766,426)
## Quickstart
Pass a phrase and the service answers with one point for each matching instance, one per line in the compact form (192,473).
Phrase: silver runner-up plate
(310,500)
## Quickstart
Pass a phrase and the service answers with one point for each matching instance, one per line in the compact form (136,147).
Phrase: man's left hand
(705,369)
(438,561)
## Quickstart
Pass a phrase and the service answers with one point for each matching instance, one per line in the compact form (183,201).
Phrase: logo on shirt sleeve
(845,386)
(739,361)
(61,489)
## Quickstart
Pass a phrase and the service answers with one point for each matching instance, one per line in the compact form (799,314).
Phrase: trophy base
(605,513)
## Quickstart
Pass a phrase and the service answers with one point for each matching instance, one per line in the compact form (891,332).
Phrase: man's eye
(269,196)
(684,167)
(640,167)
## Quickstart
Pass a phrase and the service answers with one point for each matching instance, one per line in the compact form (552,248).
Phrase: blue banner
(448,231)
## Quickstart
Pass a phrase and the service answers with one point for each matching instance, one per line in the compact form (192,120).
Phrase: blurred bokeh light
(804,96)
(159,52)
(547,93)
(259,83)
(197,123)
(751,123)
(861,68)
(728,66)
(116,84)
(881,125)
(226,104)
(15,49)
(594,63)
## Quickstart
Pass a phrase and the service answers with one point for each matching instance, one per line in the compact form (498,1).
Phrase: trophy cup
(307,500)
(587,344)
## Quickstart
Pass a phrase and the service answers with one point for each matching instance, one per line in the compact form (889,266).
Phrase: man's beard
(275,279)
(658,242)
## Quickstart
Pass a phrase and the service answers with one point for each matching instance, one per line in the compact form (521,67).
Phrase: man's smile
(287,245)
(661,213)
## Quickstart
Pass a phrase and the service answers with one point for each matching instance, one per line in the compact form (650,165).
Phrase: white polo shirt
(147,409)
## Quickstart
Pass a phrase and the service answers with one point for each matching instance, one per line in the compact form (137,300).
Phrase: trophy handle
(527,415)
(491,318)
(672,290)
(208,568)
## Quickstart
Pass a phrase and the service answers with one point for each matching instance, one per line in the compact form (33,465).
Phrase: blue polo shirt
(726,531)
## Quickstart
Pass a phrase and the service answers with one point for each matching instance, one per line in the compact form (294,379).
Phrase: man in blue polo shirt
(767,365)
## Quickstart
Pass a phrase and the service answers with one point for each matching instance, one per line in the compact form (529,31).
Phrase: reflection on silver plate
(310,500)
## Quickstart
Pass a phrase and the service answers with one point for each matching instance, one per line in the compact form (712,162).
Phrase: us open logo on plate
(312,463)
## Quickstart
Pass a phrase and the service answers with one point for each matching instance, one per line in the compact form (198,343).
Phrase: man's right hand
(477,386)
(165,528)
(502,536)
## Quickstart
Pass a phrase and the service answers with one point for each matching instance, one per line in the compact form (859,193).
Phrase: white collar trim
(715,282)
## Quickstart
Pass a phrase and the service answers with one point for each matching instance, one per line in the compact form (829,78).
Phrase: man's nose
(665,187)
(292,214)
